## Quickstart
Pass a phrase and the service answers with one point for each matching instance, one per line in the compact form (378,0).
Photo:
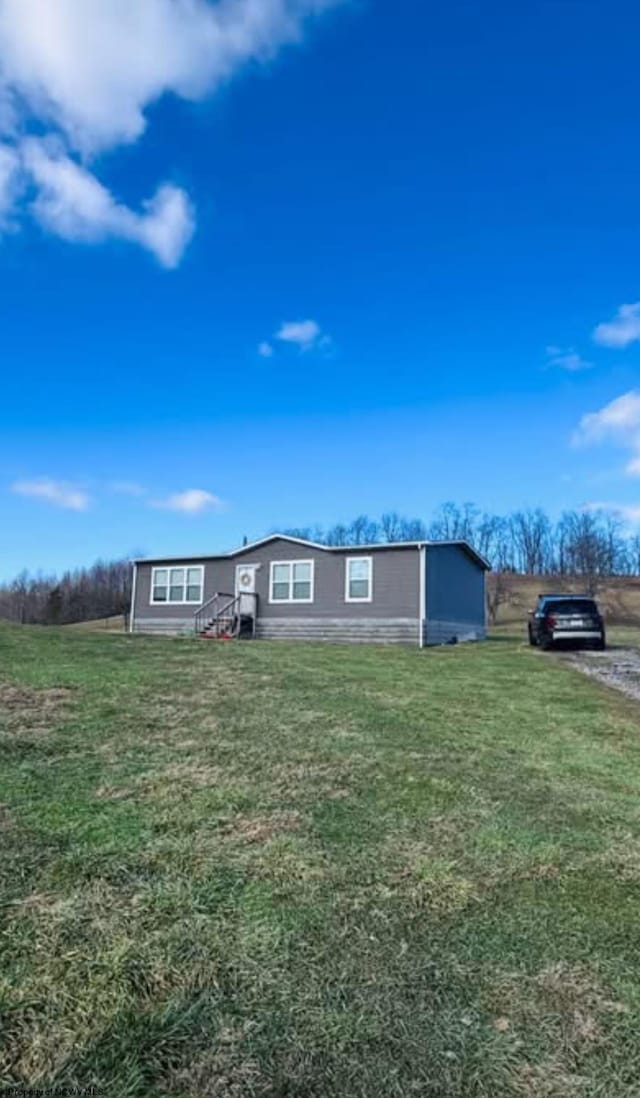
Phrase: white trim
(422,585)
(277,537)
(291,601)
(172,568)
(133,597)
(347,596)
(376,547)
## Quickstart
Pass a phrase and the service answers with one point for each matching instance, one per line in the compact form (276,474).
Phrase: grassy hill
(301,871)
(618,597)
(116,624)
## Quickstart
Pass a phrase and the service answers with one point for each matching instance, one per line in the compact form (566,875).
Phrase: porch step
(228,629)
(221,618)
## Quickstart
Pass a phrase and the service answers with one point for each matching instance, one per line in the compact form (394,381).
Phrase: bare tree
(531,532)
(363,531)
(498,593)
(587,544)
(104,590)
(391,526)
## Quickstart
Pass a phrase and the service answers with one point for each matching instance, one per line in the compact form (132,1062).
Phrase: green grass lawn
(618,636)
(312,871)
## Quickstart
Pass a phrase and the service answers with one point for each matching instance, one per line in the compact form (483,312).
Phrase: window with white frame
(359,579)
(177,585)
(291,581)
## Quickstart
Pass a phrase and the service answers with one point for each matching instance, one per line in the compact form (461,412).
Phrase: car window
(570,606)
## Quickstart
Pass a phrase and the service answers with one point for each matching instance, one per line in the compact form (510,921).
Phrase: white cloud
(567,359)
(306,335)
(623,330)
(91,69)
(618,421)
(191,502)
(302,333)
(73,204)
(9,183)
(53,491)
(87,72)
(629,513)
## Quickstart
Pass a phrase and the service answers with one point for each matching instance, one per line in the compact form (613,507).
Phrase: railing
(209,611)
(218,617)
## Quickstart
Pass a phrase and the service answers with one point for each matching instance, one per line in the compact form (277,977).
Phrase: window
(291,581)
(358,579)
(177,585)
(586,607)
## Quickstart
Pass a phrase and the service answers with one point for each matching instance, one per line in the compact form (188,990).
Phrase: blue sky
(277,262)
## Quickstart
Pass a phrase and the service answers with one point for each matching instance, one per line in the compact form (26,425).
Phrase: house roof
(377,547)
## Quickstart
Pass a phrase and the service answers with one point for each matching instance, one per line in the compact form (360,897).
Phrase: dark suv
(570,619)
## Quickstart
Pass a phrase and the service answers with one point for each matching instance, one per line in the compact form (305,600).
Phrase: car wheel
(601,645)
(546,643)
(532,639)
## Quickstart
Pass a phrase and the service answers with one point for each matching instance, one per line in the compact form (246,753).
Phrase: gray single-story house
(287,588)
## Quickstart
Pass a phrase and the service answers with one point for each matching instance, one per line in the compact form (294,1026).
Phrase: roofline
(235,552)
(566,595)
(378,546)
(276,537)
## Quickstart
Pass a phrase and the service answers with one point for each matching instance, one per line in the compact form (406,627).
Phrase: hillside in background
(618,596)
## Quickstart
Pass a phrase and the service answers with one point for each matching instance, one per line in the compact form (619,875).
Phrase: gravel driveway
(617,667)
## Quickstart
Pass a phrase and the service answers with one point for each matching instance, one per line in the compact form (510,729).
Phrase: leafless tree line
(101,591)
(580,543)
(593,545)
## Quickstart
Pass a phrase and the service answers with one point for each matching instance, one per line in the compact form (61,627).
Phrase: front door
(246,587)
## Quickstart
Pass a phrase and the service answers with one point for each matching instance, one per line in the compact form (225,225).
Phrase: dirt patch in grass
(550,1080)
(114,792)
(260,829)
(567,993)
(224,1071)
(22,697)
(179,777)
(320,779)
(571,1013)
(40,903)
(193,775)
(621,859)
(431,883)
(573,992)
(25,711)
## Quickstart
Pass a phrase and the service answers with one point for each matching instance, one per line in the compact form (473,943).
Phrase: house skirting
(447,632)
(337,630)
(167,627)
(340,630)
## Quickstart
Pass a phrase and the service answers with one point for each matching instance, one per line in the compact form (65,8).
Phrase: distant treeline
(593,544)
(581,543)
(101,591)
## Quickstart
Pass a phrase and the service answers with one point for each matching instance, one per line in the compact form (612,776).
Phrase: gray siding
(391,616)
(455,596)
(395,583)
(167,618)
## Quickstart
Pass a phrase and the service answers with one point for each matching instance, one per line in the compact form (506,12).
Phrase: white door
(246,585)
